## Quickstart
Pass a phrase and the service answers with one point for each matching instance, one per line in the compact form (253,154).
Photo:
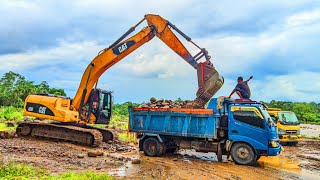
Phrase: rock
(11,124)
(120,149)
(21,122)
(136,161)
(7,134)
(109,142)
(95,153)
(152,99)
(27,119)
(36,121)
(80,156)
(159,100)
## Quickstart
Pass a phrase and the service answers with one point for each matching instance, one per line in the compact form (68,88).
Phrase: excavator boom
(209,81)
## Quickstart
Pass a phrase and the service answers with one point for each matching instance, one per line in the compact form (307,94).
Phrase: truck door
(247,124)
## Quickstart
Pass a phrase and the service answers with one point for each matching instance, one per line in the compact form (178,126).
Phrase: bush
(11,113)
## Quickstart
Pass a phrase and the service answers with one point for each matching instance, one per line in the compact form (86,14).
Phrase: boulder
(136,161)
(80,156)
(11,124)
(95,153)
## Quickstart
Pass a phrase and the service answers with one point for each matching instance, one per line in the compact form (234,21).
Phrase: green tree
(14,88)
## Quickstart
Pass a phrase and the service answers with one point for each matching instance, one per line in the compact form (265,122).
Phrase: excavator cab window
(104,110)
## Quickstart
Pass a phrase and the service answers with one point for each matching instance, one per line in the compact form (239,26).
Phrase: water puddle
(288,165)
(280,163)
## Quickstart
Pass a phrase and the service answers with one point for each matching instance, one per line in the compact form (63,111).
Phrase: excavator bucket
(209,82)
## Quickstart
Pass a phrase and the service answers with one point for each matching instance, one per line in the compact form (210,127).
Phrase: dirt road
(301,162)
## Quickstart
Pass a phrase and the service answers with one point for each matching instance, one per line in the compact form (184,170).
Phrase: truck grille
(291,132)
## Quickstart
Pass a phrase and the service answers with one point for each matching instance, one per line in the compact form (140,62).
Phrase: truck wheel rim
(152,147)
(243,153)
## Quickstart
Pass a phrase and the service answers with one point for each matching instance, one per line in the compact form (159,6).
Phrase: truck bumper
(274,151)
(289,138)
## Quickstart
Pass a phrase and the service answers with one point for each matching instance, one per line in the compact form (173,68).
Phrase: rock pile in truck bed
(164,103)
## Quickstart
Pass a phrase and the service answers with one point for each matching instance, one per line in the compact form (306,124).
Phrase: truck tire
(219,153)
(152,147)
(243,154)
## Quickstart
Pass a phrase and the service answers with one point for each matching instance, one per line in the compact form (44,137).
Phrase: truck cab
(288,125)
(249,124)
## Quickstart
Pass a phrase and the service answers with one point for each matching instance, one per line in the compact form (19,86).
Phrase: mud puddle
(291,166)
(299,162)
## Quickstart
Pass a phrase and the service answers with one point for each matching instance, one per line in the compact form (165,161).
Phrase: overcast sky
(278,42)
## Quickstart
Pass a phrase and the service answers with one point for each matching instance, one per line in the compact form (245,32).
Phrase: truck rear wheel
(152,147)
(243,154)
(219,153)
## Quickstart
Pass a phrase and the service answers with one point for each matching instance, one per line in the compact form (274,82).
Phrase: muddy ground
(300,162)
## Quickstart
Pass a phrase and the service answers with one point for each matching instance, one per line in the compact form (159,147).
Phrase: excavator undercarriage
(84,135)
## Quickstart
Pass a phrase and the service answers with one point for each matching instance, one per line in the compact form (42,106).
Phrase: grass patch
(24,172)
(21,171)
(312,137)
(82,176)
(4,127)
(99,125)
(127,137)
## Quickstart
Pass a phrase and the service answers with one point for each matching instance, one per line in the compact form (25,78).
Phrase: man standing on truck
(242,88)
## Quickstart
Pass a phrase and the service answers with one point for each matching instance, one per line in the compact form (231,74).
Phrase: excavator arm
(72,116)
(209,80)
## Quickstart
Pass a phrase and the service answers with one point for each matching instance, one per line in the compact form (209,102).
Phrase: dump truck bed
(196,123)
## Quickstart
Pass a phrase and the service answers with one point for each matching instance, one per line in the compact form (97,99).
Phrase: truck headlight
(281,131)
(298,131)
(273,144)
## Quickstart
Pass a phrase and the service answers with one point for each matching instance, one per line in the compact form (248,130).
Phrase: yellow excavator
(72,117)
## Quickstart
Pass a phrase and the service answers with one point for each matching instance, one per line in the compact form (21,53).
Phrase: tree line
(14,88)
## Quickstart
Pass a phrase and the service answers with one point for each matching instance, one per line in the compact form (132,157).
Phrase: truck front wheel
(152,147)
(243,154)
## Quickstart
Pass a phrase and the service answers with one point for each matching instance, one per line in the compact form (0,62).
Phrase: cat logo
(122,47)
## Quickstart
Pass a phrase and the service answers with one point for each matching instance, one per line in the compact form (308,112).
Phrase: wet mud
(124,161)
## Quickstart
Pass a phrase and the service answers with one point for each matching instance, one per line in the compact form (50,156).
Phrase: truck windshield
(266,116)
(288,118)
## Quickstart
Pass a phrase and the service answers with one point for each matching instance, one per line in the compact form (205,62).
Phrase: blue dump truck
(242,129)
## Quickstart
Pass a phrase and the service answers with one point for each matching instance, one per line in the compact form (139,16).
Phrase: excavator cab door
(103,115)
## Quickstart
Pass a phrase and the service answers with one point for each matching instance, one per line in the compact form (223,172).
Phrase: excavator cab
(99,104)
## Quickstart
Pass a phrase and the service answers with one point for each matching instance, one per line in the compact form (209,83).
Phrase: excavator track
(79,135)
